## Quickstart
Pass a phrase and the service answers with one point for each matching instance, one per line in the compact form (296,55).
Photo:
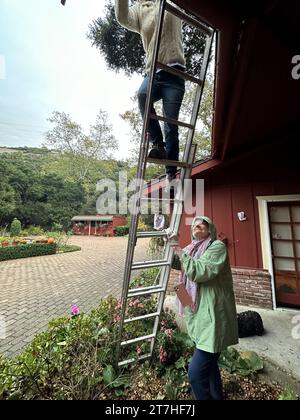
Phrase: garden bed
(74,360)
(25,251)
(34,246)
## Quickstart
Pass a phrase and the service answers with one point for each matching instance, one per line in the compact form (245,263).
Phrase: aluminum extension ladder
(186,167)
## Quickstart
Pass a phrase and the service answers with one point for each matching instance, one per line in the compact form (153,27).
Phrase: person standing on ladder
(142,18)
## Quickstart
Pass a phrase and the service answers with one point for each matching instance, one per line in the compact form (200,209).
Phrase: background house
(97,225)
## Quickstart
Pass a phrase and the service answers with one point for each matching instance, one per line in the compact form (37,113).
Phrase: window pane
(297,231)
(280,214)
(282,231)
(298,249)
(285,265)
(287,285)
(296,213)
(283,249)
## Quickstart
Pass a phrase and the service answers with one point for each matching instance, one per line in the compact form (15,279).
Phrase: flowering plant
(75,311)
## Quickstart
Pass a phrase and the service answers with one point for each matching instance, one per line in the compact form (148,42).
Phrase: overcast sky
(47,64)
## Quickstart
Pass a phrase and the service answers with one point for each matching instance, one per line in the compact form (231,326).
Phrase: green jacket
(214,325)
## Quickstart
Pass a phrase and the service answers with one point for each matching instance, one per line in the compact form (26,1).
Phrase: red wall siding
(119,221)
(244,234)
(233,188)
(185,232)
(222,199)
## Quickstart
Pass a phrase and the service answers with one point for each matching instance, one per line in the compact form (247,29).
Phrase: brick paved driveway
(35,290)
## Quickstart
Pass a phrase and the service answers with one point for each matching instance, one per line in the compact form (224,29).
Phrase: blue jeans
(205,377)
(170,89)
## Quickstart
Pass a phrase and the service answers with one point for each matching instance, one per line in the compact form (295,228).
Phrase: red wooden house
(97,225)
(255,166)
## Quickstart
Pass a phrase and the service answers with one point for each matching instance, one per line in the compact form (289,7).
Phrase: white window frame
(265,235)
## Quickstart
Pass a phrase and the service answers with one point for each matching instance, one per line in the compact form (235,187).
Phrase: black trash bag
(250,324)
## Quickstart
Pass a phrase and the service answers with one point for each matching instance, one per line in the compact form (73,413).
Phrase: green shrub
(147,278)
(61,239)
(156,248)
(122,230)
(71,360)
(33,231)
(57,227)
(69,248)
(244,363)
(142,227)
(15,227)
(4,238)
(172,343)
(25,251)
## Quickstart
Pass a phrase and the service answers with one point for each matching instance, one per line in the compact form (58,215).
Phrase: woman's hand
(177,250)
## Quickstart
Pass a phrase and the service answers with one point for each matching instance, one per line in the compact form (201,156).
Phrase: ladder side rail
(170,254)
(140,175)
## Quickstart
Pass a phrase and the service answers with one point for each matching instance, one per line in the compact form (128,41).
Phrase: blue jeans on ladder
(170,89)
(205,377)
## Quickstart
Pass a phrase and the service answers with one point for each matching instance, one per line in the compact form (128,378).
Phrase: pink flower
(119,305)
(168,333)
(75,310)
(138,350)
(163,355)
(117,318)
(134,304)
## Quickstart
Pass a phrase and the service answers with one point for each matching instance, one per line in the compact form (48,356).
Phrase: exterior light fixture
(242,217)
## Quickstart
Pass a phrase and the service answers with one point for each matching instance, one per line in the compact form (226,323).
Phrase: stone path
(36,290)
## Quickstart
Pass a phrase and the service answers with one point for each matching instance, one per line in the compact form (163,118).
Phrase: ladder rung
(188,19)
(138,339)
(169,163)
(149,264)
(158,234)
(150,288)
(141,318)
(143,291)
(171,121)
(126,362)
(179,73)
